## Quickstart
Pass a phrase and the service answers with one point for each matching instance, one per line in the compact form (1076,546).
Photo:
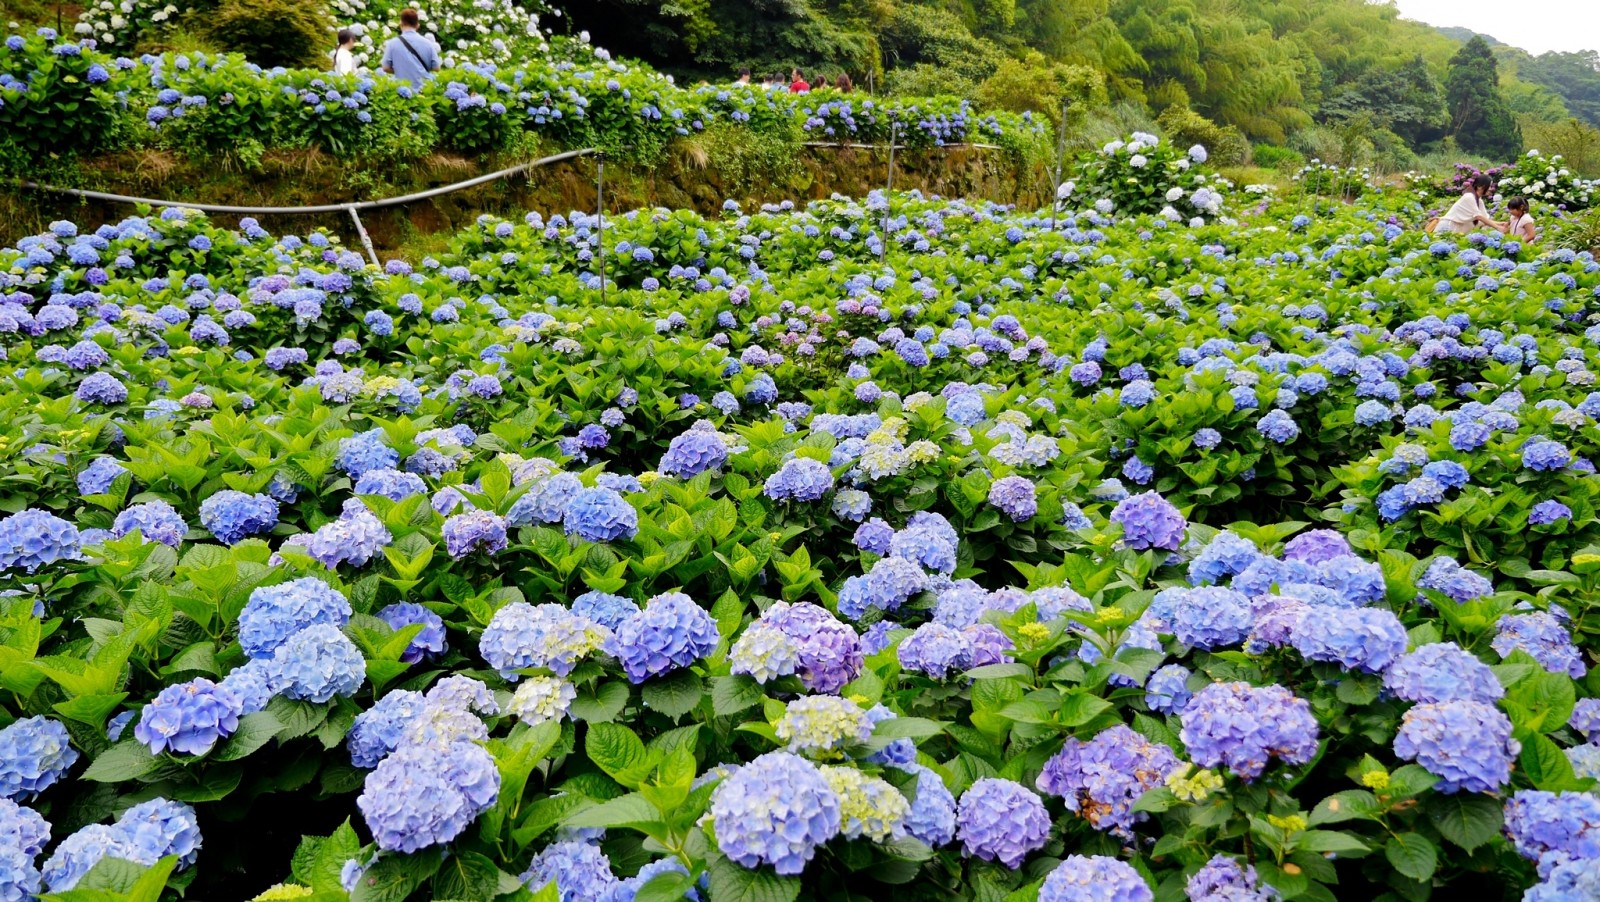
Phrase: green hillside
(1291,73)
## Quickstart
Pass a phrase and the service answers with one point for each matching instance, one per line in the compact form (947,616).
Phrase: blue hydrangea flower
(274,613)
(30,539)
(1541,635)
(1546,456)
(364,452)
(1317,546)
(189,718)
(546,500)
(580,871)
(379,730)
(1210,617)
(234,516)
(396,485)
(35,752)
(628,890)
(1149,521)
(800,479)
(1571,881)
(1225,880)
(1080,878)
(776,810)
(425,644)
(1586,718)
(1547,512)
(1365,639)
(1102,778)
(425,794)
(522,636)
(157,521)
(1015,497)
(1466,744)
(1227,554)
(1243,727)
(355,538)
(670,632)
(1442,672)
(1001,820)
(1554,827)
(936,650)
(473,531)
(97,477)
(932,817)
(144,834)
(692,453)
(605,609)
(318,663)
(1278,426)
(1456,582)
(1167,691)
(601,515)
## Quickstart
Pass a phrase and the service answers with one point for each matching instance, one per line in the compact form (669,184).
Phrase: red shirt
(799,87)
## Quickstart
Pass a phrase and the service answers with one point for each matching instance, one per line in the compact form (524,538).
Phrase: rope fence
(354,208)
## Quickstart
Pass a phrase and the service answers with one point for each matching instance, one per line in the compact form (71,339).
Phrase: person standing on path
(409,56)
(344,59)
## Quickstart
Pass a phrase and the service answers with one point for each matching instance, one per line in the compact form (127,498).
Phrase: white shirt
(1463,217)
(344,62)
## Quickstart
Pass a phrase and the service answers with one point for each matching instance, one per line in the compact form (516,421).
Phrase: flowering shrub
(1547,181)
(1327,180)
(1242,560)
(65,98)
(1145,175)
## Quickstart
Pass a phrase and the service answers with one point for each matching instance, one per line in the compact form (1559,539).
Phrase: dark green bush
(1283,159)
(275,32)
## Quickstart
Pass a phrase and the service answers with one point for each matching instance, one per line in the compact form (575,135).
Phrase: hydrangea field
(1179,545)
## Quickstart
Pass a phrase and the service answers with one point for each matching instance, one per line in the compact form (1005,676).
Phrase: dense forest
(1318,75)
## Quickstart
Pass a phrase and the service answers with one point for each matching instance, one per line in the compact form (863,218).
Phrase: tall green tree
(1482,122)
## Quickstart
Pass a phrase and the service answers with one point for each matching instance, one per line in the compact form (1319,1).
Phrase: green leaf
(327,865)
(468,876)
(675,694)
(297,718)
(907,728)
(395,877)
(1413,855)
(127,760)
(1546,765)
(255,730)
(630,810)
(91,710)
(619,752)
(732,883)
(733,694)
(1468,820)
(668,886)
(602,704)
(1352,804)
(1330,841)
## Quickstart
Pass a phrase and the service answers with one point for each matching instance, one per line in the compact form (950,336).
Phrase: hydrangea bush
(1129,557)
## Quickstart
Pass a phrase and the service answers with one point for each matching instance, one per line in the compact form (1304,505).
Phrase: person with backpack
(409,56)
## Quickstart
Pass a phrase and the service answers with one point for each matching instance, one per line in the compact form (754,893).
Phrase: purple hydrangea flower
(601,515)
(1015,497)
(189,718)
(473,531)
(776,810)
(1243,727)
(1466,744)
(670,632)
(1149,521)
(1442,672)
(1001,820)
(1081,878)
(1102,778)
(425,644)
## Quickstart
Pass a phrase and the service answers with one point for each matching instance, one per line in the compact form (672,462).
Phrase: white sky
(1536,26)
